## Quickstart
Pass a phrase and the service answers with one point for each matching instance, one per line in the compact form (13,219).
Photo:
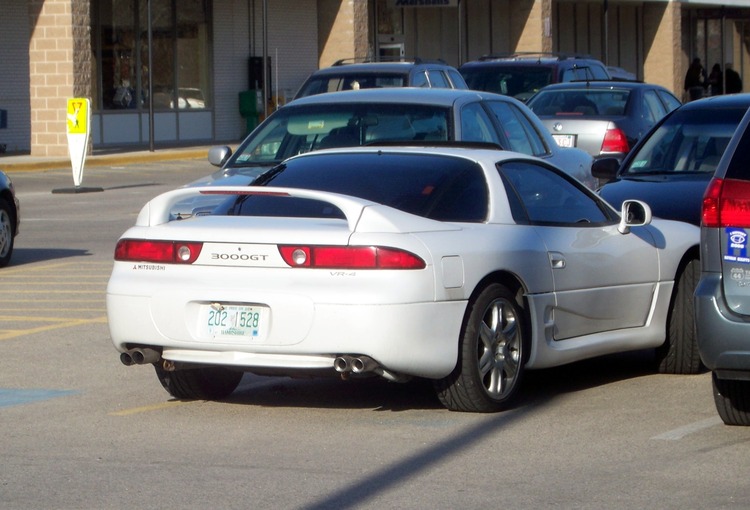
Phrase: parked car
(352,75)
(602,118)
(462,266)
(10,218)
(363,117)
(671,166)
(521,75)
(722,299)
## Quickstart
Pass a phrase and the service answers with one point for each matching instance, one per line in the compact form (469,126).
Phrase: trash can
(250,108)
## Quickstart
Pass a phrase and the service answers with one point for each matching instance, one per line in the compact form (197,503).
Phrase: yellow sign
(78,115)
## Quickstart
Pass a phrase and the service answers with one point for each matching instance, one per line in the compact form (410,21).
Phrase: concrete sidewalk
(20,163)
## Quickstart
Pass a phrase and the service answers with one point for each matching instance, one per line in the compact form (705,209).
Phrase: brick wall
(60,68)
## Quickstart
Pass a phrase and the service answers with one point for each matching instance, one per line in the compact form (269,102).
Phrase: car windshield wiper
(635,175)
(263,178)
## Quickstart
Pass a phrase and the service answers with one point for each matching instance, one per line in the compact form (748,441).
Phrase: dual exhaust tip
(354,364)
(140,356)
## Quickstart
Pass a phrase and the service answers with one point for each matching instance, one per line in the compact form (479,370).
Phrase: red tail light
(615,141)
(726,203)
(165,252)
(350,257)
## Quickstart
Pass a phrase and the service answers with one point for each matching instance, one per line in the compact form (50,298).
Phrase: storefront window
(180,54)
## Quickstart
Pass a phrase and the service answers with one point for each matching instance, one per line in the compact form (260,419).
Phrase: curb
(29,163)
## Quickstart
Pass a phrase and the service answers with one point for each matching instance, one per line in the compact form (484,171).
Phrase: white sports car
(461,265)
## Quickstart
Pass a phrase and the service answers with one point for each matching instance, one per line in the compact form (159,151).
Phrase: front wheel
(732,399)
(491,355)
(203,383)
(679,354)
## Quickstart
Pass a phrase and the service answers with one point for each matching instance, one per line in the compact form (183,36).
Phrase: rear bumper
(417,339)
(723,337)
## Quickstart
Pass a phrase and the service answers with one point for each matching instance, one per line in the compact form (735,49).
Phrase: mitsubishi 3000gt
(465,266)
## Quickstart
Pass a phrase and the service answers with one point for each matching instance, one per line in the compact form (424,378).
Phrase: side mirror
(217,156)
(634,213)
(605,168)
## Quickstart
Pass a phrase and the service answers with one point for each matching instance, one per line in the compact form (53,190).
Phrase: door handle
(556,260)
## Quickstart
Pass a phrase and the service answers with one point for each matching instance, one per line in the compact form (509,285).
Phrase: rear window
(322,84)
(295,130)
(515,81)
(739,165)
(583,101)
(437,187)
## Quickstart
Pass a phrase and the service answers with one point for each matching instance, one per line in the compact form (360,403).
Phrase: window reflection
(180,54)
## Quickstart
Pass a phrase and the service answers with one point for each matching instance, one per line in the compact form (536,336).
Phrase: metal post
(150,84)
(265,59)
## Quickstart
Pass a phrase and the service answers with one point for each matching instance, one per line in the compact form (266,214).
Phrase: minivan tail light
(350,257)
(615,141)
(726,203)
(165,252)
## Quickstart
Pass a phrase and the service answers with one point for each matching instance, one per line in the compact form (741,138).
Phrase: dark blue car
(671,166)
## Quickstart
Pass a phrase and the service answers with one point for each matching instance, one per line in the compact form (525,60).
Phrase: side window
(437,79)
(518,129)
(476,126)
(599,72)
(669,100)
(548,198)
(653,109)
(419,79)
(457,79)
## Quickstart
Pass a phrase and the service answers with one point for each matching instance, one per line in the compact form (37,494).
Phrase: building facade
(170,72)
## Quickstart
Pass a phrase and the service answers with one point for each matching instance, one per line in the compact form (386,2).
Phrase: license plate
(565,140)
(233,321)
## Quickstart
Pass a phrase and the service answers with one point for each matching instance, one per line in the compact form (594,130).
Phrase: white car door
(603,280)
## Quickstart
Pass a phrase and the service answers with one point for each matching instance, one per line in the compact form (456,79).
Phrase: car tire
(732,400)
(679,354)
(204,383)
(491,354)
(7,233)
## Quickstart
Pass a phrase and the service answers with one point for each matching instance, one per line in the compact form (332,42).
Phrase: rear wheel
(732,400)
(203,383)
(679,354)
(6,232)
(491,355)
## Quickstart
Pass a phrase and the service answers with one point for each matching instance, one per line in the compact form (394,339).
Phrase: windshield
(689,141)
(295,130)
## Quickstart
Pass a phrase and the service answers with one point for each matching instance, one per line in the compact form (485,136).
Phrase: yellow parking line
(15,333)
(154,407)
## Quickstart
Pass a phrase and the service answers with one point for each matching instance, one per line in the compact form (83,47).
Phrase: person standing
(716,81)
(695,80)
(733,80)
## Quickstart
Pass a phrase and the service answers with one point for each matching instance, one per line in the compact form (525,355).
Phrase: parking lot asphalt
(26,162)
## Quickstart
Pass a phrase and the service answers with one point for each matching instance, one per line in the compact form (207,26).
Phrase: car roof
(530,60)
(724,101)
(601,84)
(487,157)
(414,95)
(342,68)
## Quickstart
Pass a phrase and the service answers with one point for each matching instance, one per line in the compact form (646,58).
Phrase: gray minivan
(722,298)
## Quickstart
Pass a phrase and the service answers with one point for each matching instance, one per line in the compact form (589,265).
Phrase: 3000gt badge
(246,255)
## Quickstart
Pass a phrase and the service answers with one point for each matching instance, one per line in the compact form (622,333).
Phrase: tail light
(615,141)
(726,203)
(165,252)
(350,257)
